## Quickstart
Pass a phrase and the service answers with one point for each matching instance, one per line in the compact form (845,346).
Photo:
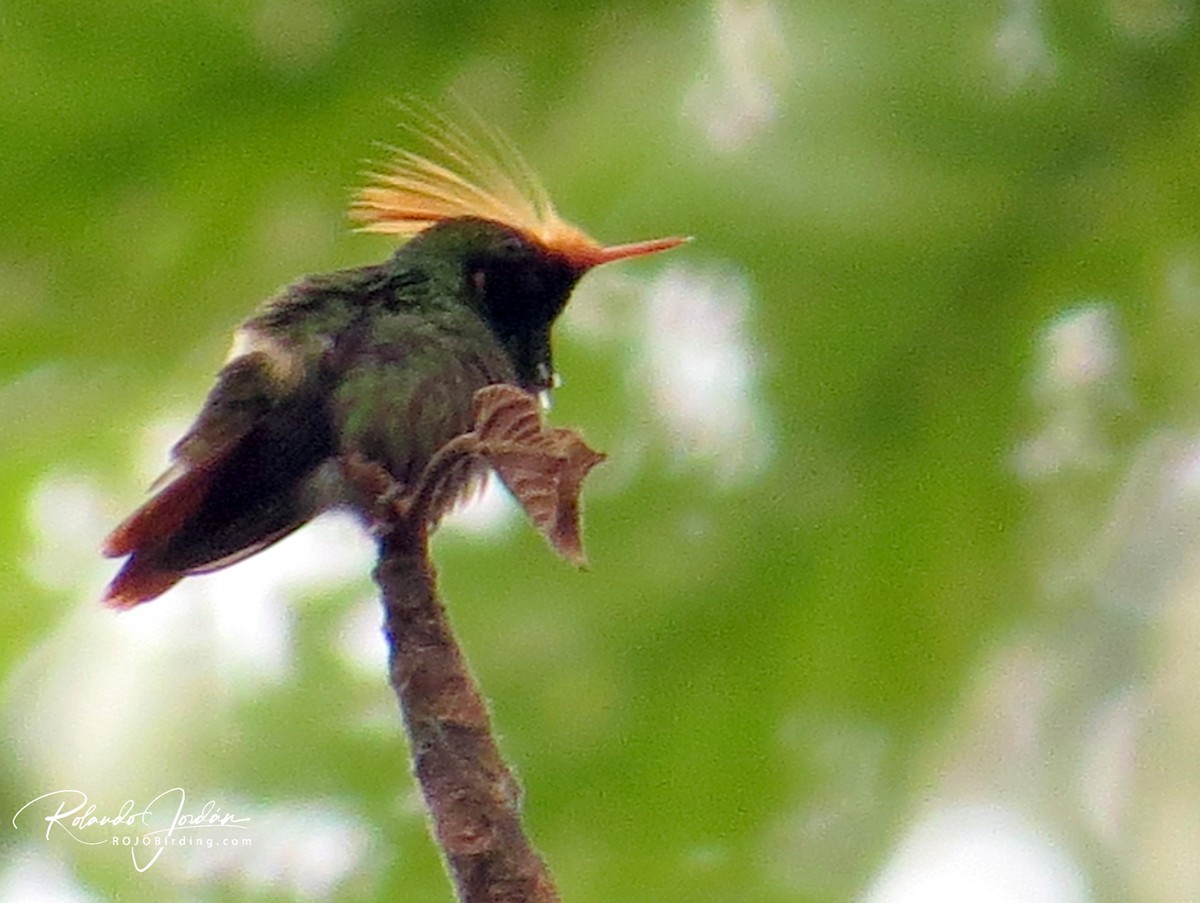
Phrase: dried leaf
(543,468)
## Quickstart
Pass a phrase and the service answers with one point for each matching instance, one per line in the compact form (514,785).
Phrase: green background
(939,552)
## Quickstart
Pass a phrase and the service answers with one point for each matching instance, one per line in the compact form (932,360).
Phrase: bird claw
(378,498)
(388,511)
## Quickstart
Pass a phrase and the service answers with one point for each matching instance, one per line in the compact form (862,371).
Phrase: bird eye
(479,280)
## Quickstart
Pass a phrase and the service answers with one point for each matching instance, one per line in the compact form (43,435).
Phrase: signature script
(161,823)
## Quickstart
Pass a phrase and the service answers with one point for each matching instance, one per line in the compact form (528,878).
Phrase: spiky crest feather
(470,170)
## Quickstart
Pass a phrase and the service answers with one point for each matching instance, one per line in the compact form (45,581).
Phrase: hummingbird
(379,363)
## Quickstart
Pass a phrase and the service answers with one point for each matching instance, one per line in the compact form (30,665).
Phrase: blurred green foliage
(741,700)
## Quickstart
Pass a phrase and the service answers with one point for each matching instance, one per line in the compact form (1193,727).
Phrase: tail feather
(140,580)
(142,534)
(163,515)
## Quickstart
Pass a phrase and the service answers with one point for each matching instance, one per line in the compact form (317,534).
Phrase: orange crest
(475,172)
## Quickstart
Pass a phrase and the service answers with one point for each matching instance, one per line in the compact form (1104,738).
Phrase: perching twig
(472,796)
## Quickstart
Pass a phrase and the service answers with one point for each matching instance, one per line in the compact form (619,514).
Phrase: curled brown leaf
(543,468)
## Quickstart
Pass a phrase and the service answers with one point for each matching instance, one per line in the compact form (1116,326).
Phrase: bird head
(474,202)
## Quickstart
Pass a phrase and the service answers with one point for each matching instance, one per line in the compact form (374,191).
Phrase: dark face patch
(519,288)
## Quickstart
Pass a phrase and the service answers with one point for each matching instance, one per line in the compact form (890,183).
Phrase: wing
(233,487)
(244,393)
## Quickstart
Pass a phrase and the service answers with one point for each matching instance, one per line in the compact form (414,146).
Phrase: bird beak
(586,257)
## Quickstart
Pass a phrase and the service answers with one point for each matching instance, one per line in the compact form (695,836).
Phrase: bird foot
(377,498)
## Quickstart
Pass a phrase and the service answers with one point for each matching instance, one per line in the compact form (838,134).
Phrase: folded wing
(244,476)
